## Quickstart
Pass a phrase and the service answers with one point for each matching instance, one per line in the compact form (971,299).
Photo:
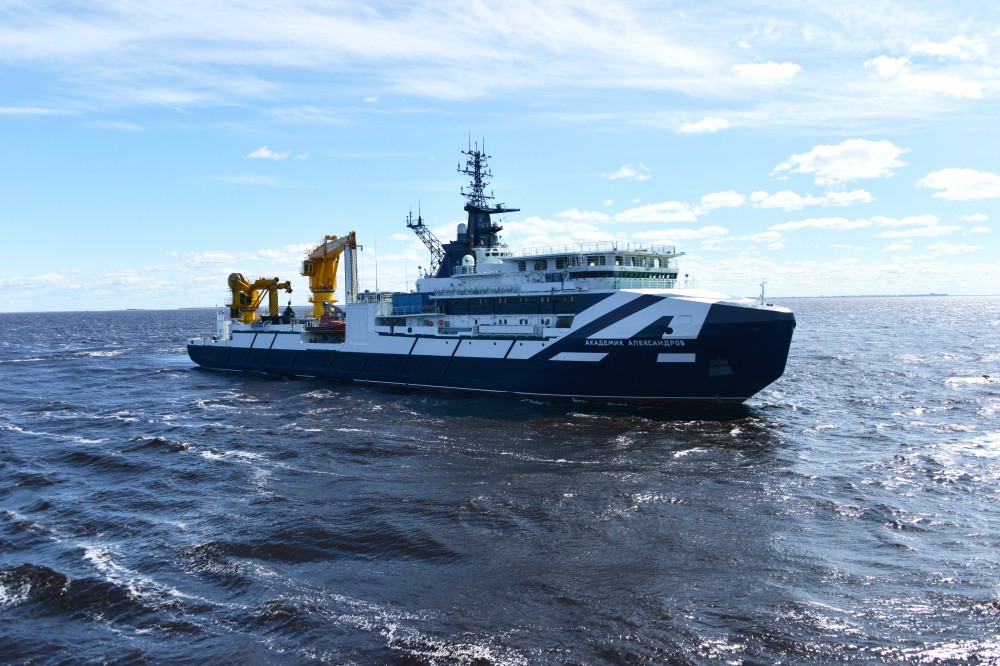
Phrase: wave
(157,444)
(369,540)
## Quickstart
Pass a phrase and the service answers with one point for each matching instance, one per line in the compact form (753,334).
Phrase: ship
(608,322)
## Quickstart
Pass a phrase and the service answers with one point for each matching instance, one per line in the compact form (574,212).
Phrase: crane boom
(247,296)
(429,240)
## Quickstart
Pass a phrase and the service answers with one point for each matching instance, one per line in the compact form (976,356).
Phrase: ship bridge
(638,265)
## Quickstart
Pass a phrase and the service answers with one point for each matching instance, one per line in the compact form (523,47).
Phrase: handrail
(599,246)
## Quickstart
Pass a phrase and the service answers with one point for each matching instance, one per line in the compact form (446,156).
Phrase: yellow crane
(320,266)
(247,296)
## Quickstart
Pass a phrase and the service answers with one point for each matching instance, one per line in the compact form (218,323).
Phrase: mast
(479,232)
(476,169)
(483,232)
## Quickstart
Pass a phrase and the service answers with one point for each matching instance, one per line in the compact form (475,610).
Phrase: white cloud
(28,111)
(209,257)
(671,236)
(944,84)
(950,248)
(924,225)
(887,67)
(927,220)
(978,230)
(789,200)
(69,280)
(918,225)
(111,125)
(194,278)
(628,172)
(925,232)
(608,202)
(851,160)
(765,237)
(898,247)
(427,48)
(728,199)
(704,126)
(307,114)
(959,47)
(975,217)
(963,184)
(667,211)
(265,153)
(586,216)
(842,247)
(768,73)
(899,70)
(290,255)
(537,231)
(846,198)
(833,223)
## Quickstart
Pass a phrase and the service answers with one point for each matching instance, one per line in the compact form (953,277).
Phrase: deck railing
(598,247)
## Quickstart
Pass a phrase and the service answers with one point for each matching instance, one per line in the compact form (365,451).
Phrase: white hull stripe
(675,358)
(579,356)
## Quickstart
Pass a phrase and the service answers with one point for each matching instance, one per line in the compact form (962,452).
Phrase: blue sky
(152,148)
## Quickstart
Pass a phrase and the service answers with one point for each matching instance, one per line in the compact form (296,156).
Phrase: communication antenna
(762,283)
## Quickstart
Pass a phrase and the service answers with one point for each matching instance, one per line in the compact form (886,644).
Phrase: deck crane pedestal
(320,266)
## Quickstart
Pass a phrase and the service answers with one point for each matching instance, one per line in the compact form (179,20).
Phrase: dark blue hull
(737,353)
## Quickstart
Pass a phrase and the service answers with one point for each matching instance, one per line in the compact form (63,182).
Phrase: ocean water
(154,512)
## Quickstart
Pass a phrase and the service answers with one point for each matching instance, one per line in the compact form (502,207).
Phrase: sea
(152,512)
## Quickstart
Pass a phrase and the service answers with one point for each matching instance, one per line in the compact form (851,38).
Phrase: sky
(150,148)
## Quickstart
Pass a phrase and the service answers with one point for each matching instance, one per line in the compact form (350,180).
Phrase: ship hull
(737,352)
